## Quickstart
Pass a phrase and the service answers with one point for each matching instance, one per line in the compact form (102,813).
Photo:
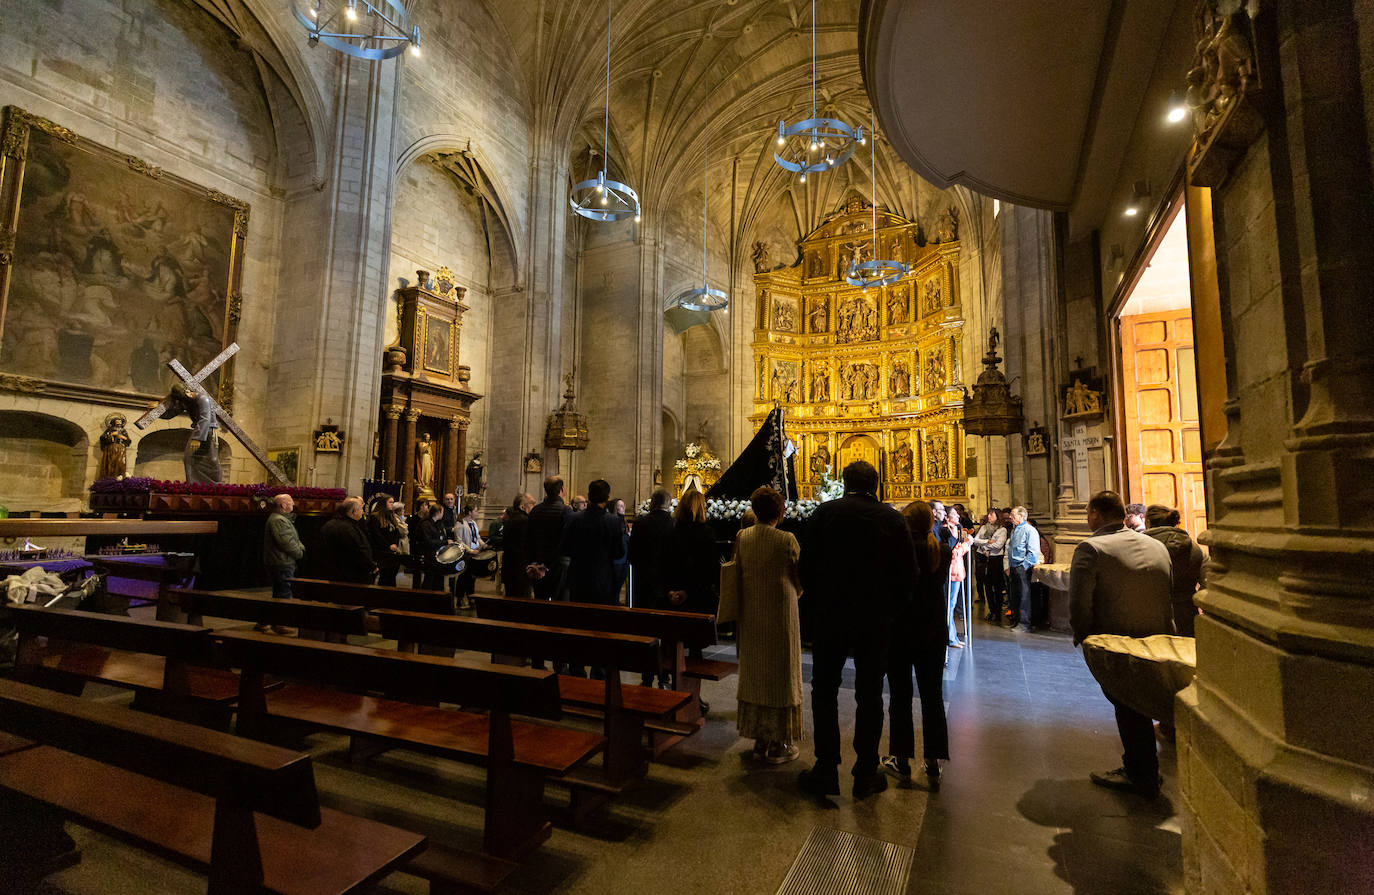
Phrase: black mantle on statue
(762,462)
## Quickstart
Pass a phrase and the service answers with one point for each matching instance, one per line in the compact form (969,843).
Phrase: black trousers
(1138,756)
(993,584)
(832,645)
(928,661)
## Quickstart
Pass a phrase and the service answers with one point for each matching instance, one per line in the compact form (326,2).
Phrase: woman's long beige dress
(770,677)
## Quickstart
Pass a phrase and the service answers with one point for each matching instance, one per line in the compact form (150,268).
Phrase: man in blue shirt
(1022,549)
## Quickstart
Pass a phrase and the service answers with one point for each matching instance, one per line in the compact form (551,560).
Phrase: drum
(484,564)
(449,559)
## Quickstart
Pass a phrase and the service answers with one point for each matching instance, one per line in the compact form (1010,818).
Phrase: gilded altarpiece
(866,374)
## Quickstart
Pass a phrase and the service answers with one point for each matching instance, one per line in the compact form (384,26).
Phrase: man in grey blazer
(1120,583)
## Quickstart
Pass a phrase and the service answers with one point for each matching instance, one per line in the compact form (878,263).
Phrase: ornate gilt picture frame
(109,267)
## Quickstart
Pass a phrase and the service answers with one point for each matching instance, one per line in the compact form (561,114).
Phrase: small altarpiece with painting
(869,374)
(425,400)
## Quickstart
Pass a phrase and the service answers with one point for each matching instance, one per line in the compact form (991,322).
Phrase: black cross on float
(225,419)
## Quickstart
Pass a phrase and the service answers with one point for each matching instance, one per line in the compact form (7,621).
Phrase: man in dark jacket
(345,554)
(515,540)
(858,569)
(592,541)
(1186,558)
(648,540)
(545,534)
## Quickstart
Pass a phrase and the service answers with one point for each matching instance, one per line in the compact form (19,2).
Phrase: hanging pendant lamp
(603,199)
(816,144)
(875,273)
(702,298)
(390,34)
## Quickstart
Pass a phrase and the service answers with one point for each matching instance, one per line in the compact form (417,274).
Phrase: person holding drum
(465,532)
(426,540)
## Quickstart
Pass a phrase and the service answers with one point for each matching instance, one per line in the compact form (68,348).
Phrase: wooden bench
(518,755)
(623,708)
(676,632)
(314,620)
(167,665)
(145,576)
(374,596)
(245,812)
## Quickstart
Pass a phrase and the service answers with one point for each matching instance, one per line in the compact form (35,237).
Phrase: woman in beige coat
(770,680)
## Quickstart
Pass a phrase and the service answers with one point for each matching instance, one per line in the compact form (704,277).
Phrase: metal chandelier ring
(612,191)
(866,274)
(703,298)
(818,130)
(389,12)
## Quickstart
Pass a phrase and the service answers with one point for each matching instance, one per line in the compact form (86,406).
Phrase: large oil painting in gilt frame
(109,268)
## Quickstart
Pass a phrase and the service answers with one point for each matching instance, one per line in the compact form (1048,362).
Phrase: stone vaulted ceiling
(690,77)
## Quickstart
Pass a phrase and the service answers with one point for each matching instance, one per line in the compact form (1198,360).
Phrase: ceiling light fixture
(829,138)
(874,273)
(393,31)
(702,298)
(1177,108)
(614,200)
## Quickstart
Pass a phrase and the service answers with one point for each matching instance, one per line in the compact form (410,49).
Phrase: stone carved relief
(857,321)
(1223,69)
(947,227)
(763,258)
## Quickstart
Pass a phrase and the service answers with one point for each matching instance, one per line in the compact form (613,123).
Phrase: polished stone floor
(1016,812)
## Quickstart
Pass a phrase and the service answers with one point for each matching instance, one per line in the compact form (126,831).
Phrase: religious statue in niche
(897,306)
(903,461)
(815,266)
(1035,441)
(534,462)
(820,461)
(947,227)
(935,369)
(820,315)
(784,314)
(763,259)
(857,320)
(424,466)
(328,440)
(899,380)
(786,387)
(931,300)
(896,253)
(476,474)
(937,456)
(820,385)
(114,447)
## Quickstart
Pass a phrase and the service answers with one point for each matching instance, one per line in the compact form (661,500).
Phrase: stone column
(389,433)
(461,453)
(1275,738)
(405,464)
(452,471)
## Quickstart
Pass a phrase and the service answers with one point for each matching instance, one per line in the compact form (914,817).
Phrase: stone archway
(43,461)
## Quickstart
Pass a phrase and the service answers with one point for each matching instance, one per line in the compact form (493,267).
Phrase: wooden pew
(167,665)
(518,755)
(624,709)
(326,620)
(676,631)
(374,596)
(245,812)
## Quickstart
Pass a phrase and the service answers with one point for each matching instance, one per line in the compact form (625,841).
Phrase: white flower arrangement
(735,508)
(681,464)
(692,449)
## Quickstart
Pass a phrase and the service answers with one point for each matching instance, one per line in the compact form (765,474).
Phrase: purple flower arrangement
(259,490)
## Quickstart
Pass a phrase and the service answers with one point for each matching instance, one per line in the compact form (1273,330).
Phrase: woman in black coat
(918,642)
(692,560)
(384,535)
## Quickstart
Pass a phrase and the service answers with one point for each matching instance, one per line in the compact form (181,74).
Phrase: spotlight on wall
(1177,109)
(1132,211)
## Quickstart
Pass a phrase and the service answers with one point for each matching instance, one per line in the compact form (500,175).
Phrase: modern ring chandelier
(392,33)
(816,144)
(702,298)
(603,199)
(875,273)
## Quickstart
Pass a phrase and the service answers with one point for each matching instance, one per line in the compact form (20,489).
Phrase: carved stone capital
(412,415)
(393,412)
